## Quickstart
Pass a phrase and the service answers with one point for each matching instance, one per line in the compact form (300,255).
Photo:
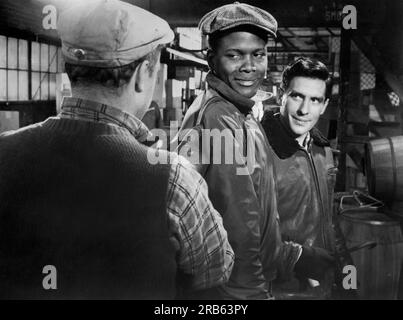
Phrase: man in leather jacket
(241,188)
(305,170)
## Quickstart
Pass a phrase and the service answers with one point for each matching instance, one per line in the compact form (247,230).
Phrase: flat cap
(236,14)
(109,33)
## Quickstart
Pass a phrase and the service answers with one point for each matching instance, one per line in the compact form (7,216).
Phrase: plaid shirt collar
(86,110)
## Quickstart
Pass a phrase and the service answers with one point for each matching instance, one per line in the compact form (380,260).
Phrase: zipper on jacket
(316,179)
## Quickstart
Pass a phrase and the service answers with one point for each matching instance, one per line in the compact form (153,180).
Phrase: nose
(304,107)
(248,65)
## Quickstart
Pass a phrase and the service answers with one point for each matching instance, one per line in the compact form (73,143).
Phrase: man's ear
(325,106)
(281,100)
(141,75)
(280,97)
(210,59)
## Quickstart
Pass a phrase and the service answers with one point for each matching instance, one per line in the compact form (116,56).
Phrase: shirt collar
(86,110)
(242,103)
(283,143)
(306,143)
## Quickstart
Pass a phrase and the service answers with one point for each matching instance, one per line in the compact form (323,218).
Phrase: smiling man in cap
(238,34)
(77,191)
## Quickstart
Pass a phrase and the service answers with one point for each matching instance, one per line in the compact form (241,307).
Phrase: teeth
(246,82)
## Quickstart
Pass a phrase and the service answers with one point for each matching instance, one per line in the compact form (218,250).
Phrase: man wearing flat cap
(77,191)
(238,34)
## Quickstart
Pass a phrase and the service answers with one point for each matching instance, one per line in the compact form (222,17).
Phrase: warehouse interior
(364,120)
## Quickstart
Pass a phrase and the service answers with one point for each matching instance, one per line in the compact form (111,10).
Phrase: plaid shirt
(196,228)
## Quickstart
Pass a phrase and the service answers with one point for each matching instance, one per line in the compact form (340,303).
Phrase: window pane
(36,92)
(12,85)
(35,56)
(23,54)
(52,86)
(53,59)
(60,61)
(12,53)
(3,84)
(44,57)
(44,86)
(3,51)
(9,120)
(23,85)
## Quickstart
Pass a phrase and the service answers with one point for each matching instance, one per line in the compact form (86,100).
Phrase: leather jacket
(305,180)
(247,202)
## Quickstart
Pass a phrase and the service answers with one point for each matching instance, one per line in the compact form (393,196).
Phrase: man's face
(303,102)
(240,61)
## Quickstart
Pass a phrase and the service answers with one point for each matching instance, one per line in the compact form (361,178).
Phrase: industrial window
(20,68)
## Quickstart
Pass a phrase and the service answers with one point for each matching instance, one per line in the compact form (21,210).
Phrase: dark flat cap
(236,14)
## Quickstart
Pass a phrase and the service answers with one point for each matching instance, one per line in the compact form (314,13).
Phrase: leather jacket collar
(243,104)
(282,141)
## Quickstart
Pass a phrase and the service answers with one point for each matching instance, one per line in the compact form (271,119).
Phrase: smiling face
(240,60)
(303,102)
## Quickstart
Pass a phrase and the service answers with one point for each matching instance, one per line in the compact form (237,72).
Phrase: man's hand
(314,263)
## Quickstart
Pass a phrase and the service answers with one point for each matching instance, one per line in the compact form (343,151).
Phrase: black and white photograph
(201,155)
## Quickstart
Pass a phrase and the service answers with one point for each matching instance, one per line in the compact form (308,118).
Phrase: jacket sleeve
(288,256)
(279,262)
(288,252)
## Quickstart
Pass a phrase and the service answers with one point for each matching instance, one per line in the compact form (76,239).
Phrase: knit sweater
(82,197)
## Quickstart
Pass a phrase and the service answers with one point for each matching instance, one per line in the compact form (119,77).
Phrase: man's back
(82,197)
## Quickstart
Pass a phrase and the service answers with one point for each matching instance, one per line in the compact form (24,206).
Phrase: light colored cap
(109,33)
(237,14)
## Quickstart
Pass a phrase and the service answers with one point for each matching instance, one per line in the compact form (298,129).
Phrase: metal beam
(28,35)
(286,42)
(298,51)
(311,36)
(331,32)
(401,115)
(345,62)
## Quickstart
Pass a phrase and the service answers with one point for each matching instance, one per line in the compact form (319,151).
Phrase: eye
(316,100)
(296,96)
(233,56)
(260,55)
